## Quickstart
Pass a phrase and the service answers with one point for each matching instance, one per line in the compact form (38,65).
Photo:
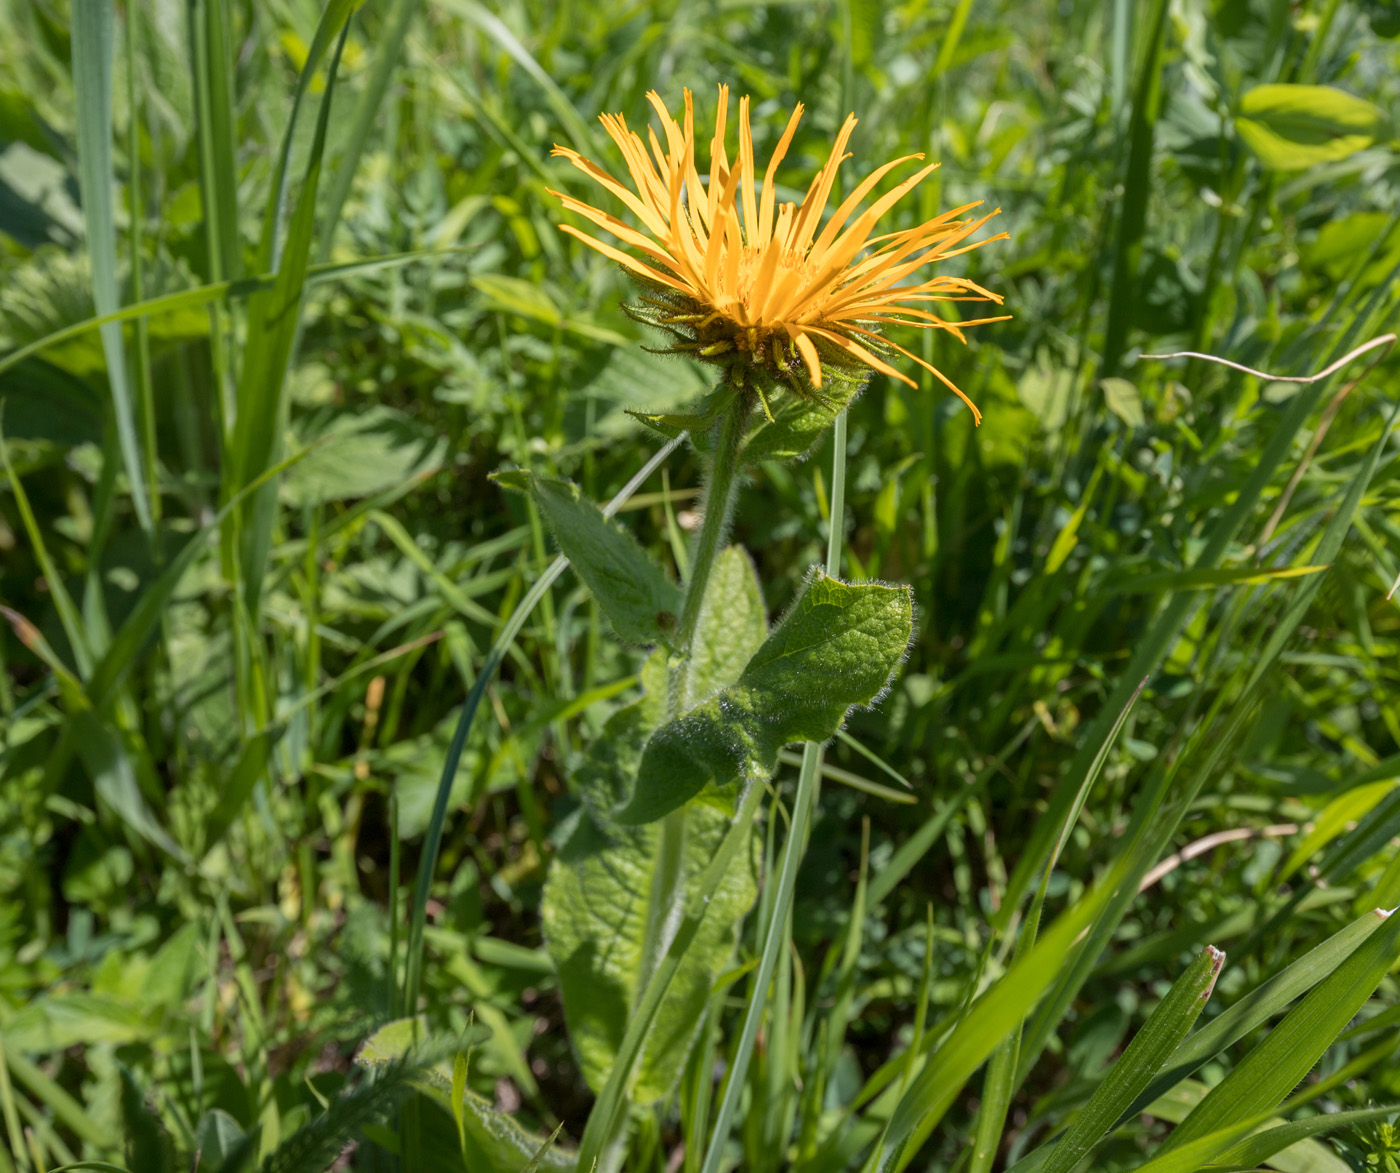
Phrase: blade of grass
(388,50)
(1261,1080)
(273,320)
(1151,1047)
(215,291)
(93,45)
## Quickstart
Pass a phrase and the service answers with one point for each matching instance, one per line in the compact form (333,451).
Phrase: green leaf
(1256,1007)
(274,317)
(1262,1146)
(730,629)
(362,454)
(1261,1080)
(1290,127)
(838,647)
(632,590)
(599,920)
(495,1139)
(1160,1035)
(1123,400)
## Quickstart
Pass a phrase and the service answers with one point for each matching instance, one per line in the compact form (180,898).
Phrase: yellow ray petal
(809,355)
(765,209)
(812,207)
(626,260)
(746,192)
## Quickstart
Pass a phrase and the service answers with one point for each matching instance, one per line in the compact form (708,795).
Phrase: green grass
(280,287)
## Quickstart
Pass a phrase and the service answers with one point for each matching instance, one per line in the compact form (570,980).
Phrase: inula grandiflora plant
(792,304)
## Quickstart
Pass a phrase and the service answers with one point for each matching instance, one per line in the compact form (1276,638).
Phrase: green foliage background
(217,766)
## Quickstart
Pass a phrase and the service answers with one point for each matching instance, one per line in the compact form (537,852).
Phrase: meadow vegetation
(304,729)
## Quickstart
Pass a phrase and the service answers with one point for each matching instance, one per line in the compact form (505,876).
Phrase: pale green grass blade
(333,21)
(1224,1148)
(213,53)
(93,47)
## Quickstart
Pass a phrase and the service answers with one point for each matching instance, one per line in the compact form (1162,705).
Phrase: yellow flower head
(742,278)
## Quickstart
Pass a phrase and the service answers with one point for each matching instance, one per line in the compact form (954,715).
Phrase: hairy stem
(719,504)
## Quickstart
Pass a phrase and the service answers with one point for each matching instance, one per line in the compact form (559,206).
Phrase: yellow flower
(743,278)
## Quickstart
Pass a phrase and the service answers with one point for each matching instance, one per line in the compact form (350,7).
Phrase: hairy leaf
(836,648)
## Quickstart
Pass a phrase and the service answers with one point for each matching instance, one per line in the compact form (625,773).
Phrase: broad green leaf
(515,295)
(1261,1080)
(838,647)
(56,1021)
(1290,127)
(1151,1047)
(600,920)
(361,455)
(633,591)
(495,1139)
(731,627)
(1123,400)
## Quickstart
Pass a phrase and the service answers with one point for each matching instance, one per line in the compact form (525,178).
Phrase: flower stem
(778,924)
(719,504)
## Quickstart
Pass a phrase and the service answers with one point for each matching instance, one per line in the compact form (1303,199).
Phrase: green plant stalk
(719,504)
(432,844)
(778,925)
